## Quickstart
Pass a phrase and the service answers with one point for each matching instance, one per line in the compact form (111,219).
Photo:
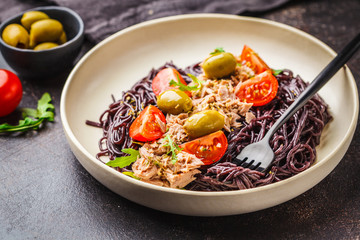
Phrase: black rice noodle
(293,144)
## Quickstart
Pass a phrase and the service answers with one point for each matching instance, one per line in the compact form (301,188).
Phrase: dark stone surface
(110,16)
(46,194)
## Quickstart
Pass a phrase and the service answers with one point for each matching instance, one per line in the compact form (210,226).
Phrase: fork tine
(260,169)
(258,166)
(253,165)
(256,156)
(248,164)
(239,161)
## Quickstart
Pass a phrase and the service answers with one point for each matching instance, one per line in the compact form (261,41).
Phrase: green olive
(45,45)
(46,30)
(219,65)
(62,38)
(16,35)
(203,123)
(174,101)
(30,17)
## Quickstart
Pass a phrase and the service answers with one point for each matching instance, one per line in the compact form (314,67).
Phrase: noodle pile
(116,120)
(293,144)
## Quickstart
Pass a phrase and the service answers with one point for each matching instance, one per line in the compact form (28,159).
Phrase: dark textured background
(46,194)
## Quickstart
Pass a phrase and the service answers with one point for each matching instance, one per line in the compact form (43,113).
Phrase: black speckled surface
(46,194)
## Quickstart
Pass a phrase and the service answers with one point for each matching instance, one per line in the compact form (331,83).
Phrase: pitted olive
(46,30)
(30,17)
(45,45)
(16,35)
(219,65)
(174,101)
(203,123)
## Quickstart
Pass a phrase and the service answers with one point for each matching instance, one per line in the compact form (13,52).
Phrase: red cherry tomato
(10,92)
(258,90)
(253,60)
(149,125)
(161,81)
(209,148)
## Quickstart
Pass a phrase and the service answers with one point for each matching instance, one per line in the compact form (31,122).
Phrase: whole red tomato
(10,92)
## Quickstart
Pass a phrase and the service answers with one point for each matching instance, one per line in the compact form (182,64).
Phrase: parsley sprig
(174,148)
(184,87)
(125,160)
(33,118)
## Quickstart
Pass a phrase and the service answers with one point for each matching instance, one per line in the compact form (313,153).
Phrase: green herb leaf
(29,112)
(217,50)
(33,117)
(45,108)
(277,71)
(174,148)
(131,174)
(184,87)
(196,80)
(126,160)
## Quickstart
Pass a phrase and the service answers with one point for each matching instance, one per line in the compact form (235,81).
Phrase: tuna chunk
(156,166)
(220,95)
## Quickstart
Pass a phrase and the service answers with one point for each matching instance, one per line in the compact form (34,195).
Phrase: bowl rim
(109,170)
(76,16)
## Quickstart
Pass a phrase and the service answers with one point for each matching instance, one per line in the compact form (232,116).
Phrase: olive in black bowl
(47,63)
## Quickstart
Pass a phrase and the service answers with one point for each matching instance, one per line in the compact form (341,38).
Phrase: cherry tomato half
(253,60)
(10,92)
(161,81)
(149,125)
(258,90)
(209,148)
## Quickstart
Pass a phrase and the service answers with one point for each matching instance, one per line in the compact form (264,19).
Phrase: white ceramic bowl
(116,63)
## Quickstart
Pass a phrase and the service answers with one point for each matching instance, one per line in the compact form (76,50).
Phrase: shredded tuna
(249,117)
(175,125)
(156,166)
(242,73)
(220,95)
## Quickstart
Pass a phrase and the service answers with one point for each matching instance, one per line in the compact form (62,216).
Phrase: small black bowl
(51,62)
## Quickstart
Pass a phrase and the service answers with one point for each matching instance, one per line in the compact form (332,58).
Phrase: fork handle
(325,75)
